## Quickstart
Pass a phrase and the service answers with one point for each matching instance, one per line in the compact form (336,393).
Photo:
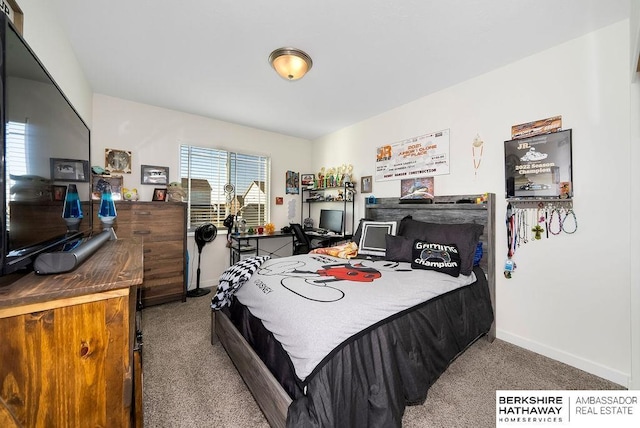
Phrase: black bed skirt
(368,381)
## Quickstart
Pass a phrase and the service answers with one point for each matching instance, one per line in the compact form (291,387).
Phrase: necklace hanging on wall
(477,145)
(571,213)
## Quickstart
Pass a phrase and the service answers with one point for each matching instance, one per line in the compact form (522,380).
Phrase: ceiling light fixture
(290,63)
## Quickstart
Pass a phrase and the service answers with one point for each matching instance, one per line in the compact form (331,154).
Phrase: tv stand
(69,347)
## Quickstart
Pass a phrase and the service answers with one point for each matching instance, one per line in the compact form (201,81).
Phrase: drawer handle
(141,232)
(142,212)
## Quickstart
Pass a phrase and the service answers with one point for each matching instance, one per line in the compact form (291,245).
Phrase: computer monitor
(373,240)
(331,220)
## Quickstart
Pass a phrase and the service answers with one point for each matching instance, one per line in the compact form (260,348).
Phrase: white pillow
(372,240)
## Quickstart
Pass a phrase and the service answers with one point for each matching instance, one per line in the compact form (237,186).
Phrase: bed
(371,373)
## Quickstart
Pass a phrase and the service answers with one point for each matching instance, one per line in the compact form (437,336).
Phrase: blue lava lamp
(72,211)
(107,212)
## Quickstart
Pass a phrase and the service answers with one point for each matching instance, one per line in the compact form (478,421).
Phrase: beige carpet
(190,383)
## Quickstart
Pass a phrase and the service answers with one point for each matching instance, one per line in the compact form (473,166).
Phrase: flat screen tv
(331,220)
(46,146)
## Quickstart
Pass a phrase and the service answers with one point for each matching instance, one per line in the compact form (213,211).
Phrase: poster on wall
(416,190)
(542,126)
(426,155)
(292,185)
(539,166)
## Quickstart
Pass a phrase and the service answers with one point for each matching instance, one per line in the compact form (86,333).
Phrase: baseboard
(622,379)
(212,283)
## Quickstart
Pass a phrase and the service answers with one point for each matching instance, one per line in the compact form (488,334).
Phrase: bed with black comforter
(353,342)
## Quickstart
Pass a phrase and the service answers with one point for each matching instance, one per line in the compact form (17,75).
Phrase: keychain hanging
(509,264)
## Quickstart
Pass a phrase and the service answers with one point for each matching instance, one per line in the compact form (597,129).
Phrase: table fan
(204,234)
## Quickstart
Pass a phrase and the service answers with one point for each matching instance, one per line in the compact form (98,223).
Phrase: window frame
(229,167)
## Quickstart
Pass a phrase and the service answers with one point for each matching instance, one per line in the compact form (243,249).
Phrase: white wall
(569,297)
(634,250)
(51,45)
(154,135)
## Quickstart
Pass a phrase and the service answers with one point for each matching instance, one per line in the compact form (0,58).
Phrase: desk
(328,239)
(238,247)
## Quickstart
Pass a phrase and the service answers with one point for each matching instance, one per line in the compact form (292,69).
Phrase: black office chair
(302,244)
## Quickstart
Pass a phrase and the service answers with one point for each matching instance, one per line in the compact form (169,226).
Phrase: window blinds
(206,174)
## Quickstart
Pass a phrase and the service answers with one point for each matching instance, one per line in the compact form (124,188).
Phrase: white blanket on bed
(309,305)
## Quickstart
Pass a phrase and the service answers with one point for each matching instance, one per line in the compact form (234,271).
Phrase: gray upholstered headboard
(445,209)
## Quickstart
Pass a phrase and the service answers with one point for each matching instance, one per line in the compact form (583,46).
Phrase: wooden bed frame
(268,393)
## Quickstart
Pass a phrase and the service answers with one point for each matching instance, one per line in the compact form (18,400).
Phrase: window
(219,183)
(15,157)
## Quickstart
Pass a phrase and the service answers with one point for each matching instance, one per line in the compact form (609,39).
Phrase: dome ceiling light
(290,63)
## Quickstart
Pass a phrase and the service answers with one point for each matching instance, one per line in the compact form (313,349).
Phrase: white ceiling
(209,57)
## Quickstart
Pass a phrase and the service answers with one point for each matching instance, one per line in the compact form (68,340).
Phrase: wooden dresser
(162,227)
(68,351)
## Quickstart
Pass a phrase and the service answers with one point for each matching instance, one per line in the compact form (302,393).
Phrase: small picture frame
(159,195)
(292,183)
(151,174)
(117,161)
(366,184)
(99,183)
(69,170)
(58,193)
(307,179)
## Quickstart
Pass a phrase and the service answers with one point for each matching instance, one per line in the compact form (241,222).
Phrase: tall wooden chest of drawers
(162,227)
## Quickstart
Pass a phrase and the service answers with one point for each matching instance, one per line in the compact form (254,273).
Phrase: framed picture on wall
(539,166)
(366,184)
(292,183)
(151,174)
(117,160)
(419,189)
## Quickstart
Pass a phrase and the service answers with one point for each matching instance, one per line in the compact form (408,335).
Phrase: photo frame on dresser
(100,182)
(159,195)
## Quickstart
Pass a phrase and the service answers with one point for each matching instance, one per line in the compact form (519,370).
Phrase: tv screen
(331,220)
(46,147)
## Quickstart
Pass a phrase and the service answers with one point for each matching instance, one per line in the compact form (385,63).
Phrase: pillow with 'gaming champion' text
(444,258)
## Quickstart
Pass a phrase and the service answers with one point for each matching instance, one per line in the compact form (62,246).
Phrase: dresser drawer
(154,269)
(151,234)
(156,214)
(164,250)
(162,229)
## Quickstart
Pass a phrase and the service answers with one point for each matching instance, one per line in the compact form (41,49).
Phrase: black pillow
(443,258)
(464,235)
(399,248)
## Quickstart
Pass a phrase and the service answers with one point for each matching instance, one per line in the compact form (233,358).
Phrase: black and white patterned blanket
(233,278)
